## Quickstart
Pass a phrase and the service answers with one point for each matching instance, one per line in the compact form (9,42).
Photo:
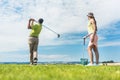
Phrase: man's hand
(31,19)
(30,23)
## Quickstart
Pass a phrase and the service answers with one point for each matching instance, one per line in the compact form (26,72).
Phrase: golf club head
(58,35)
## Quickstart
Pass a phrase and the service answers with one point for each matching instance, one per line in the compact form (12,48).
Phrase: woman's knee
(95,48)
(89,48)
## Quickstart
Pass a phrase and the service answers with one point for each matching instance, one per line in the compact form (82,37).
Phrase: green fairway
(58,72)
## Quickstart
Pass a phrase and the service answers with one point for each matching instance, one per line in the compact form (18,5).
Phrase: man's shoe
(35,61)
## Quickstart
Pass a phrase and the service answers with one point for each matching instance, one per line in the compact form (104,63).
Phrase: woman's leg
(90,54)
(95,49)
(96,54)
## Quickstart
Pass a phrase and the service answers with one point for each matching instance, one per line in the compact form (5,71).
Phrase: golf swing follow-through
(34,38)
(58,35)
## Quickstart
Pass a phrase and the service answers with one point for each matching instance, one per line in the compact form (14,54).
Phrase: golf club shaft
(48,28)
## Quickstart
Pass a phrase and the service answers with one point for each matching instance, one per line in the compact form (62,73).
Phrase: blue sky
(67,17)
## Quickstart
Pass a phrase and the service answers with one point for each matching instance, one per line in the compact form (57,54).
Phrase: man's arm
(30,23)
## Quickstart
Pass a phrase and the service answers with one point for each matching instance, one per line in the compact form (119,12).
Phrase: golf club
(84,60)
(58,35)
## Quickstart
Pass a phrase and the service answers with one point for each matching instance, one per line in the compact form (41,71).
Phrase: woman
(92,31)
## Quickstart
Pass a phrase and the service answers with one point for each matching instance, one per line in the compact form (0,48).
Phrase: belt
(34,36)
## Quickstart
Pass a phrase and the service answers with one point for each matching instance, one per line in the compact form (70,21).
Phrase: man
(34,39)
(92,34)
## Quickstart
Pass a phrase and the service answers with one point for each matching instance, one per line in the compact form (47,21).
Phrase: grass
(58,72)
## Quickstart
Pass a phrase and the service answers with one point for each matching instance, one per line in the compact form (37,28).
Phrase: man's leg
(31,53)
(31,47)
(35,54)
(35,59)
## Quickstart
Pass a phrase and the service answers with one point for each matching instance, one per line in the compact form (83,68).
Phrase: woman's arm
(86,36)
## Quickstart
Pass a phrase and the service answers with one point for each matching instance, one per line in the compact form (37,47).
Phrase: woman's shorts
(95,40)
